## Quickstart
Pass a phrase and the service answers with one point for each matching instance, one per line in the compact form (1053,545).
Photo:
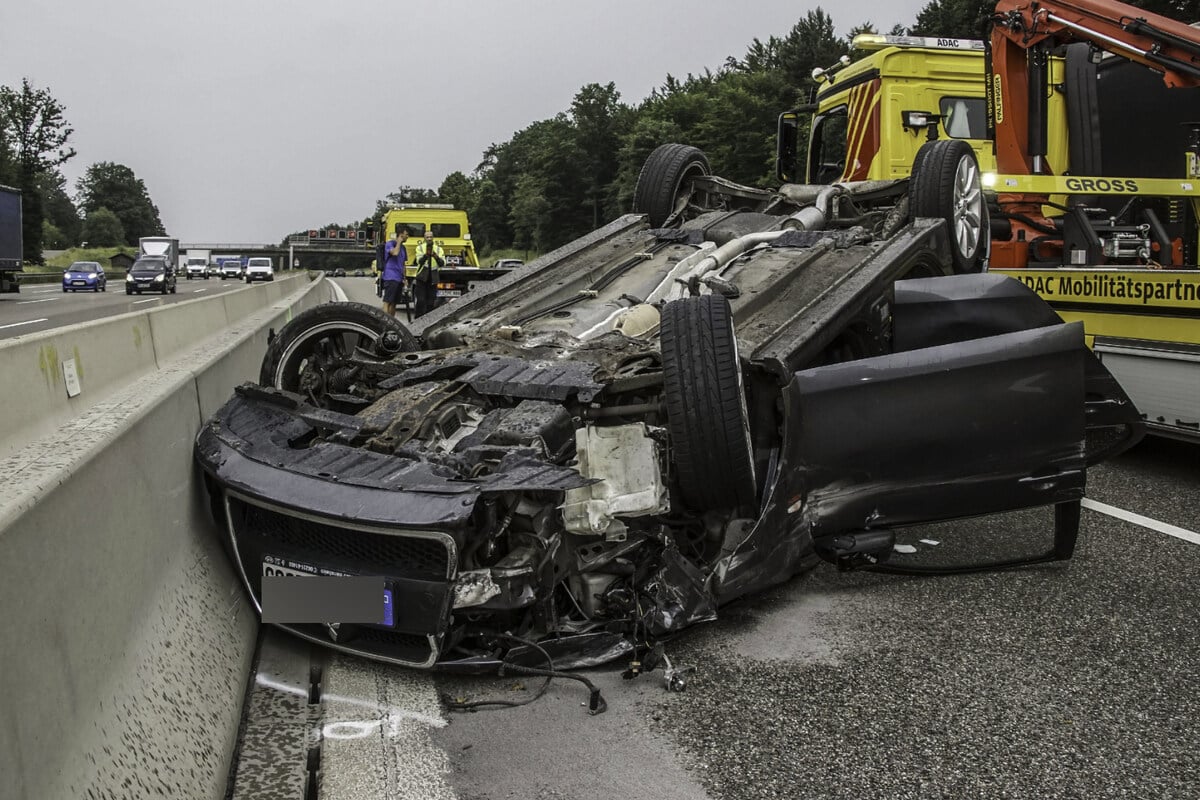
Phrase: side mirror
(787,144)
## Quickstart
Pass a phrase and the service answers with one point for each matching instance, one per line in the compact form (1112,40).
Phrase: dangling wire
(596,704)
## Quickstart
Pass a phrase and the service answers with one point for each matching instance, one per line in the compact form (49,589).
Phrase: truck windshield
(147,265)
(447,230)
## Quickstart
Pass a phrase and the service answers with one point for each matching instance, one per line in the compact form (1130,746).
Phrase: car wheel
(104,287)
(664,181)
(706,404)
(64,290)
(173,288)
(945,185)
(313,347)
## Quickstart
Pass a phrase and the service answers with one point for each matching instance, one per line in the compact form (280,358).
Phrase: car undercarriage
(580,459)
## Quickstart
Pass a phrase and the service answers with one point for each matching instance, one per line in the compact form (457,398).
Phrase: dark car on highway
(150,274)
(85,276)
(576,461)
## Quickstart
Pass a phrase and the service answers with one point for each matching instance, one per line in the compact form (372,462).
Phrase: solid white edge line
(338,294)
(1145,522)
(150,300)
(26,322)
(43,300)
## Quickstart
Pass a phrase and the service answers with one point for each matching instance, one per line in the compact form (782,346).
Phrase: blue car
(86,275)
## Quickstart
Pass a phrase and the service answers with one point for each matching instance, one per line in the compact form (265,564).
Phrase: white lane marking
(43,300)
(151,300)
(205,289)
(27,322)
(1145,522)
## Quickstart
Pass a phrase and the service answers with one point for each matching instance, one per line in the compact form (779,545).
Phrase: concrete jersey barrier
(106,354)
(127,638)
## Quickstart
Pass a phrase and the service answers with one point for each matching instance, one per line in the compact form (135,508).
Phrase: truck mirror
(787,144)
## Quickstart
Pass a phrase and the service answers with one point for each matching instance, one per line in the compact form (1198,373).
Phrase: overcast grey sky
(249,119)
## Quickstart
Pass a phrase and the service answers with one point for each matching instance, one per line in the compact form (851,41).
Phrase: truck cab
(870,117)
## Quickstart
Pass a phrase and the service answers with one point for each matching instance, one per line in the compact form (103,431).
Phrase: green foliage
(965,19)
(103,228)
(101,254)
(52,237)
(59,208)
(458,190)
(115,187)
(412,194)
(33,141)
(489,226)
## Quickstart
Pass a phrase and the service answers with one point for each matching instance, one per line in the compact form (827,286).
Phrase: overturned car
(607,444)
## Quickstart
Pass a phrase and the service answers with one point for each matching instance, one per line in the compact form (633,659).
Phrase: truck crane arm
(1160,43)
(1024,32)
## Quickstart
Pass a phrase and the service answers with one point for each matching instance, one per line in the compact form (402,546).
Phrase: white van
(259,269)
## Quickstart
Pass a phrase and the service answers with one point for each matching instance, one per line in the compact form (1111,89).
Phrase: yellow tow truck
(1094,207)
(451,230)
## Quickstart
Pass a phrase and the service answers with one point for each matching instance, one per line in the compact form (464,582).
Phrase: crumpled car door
(975,414)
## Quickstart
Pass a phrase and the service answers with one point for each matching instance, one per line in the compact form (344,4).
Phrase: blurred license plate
(79,283)
(389,615)
(454,261)
(143,286)
(449,293)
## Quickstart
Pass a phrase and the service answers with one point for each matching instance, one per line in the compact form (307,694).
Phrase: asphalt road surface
(1076,680)
(42,307)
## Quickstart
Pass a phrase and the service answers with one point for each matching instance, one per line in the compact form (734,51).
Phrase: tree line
(559,178)
(111,207)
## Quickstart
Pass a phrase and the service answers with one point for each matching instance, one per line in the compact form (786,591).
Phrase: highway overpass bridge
(300,252)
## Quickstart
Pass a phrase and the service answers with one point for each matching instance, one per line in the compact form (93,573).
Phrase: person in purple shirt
(393,270)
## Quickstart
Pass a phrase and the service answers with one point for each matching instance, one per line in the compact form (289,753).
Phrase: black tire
(945,185)
(666,171)
(706,405)
(129,292)
(96,288)
(173,289)
(64,290)
(332,326)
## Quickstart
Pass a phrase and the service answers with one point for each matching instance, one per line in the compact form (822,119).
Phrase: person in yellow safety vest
(430,258)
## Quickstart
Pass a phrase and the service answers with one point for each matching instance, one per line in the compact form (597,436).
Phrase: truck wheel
(666,176)
(706,404)
(313,347)
(945,185)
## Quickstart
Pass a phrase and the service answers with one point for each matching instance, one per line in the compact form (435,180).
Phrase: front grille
(400,555)
(416,565)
